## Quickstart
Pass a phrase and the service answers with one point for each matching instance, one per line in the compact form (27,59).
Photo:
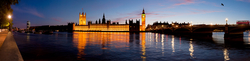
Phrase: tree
(5,10)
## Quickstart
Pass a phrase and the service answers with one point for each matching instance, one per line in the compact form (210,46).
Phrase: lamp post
(226,20)
(226,28)
(9,16)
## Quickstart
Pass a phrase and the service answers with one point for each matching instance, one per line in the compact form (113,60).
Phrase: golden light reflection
(156,37)
(226,55)
(28,37)
(150,37)
(248,39)
(105,40)
(172,42)
(162,37)
(162,44)
(81,43)
(191,49)
(143,42)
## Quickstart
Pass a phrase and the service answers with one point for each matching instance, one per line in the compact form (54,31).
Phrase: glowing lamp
(9,16)
(226,19)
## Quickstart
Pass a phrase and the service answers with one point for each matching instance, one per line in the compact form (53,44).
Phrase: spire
(82,9)
(103,15)
(103,19)
(96,22)
(99,21)
(143,12)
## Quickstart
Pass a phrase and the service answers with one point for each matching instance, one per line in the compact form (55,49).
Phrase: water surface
(125,46)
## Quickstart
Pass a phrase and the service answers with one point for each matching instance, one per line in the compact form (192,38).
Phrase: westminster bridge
(231,30)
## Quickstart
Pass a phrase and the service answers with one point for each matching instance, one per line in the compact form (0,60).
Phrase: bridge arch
(238,29)
(168,30)
(182,30)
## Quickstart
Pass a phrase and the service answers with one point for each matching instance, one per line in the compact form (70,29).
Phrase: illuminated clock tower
(82,18)
(143,19)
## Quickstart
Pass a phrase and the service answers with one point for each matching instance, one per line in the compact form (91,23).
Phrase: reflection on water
(143,47)
(162,44)
(191,49)
(80,43)
(172,42)
(125,46)
(218,37)
(105,40)
(28,37)
(226,55)
(246,38)
(156,37)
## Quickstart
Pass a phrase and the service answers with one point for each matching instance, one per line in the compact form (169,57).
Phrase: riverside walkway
(8,47)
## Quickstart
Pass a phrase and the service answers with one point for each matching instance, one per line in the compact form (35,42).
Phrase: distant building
(108,26)
(82,18)
(99,25)
(143,19)
(160,25)
(242,22)
(28,24)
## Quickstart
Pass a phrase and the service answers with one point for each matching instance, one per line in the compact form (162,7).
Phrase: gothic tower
(143,19)
(28,24)
(82,18)
(103,19)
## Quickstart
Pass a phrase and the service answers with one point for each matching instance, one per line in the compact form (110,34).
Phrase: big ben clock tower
(143,18)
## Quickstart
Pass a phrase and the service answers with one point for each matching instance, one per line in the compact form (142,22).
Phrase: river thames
(125,46)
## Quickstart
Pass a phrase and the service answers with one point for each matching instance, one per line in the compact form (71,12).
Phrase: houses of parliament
(106,25)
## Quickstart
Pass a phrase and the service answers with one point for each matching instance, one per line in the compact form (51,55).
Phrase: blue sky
(60,12)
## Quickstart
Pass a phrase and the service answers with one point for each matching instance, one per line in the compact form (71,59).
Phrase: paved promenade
(8,48)
(2,37)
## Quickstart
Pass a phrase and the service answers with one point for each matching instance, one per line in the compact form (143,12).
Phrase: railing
(1,30)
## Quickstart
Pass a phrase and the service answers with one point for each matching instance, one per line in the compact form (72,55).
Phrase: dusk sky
(60,12)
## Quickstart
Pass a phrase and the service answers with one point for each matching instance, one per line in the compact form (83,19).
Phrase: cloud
(32,11)
(159,15)
(191,12)
(184,2)
(152,13)
(179,2)
(134,15)
(57,19)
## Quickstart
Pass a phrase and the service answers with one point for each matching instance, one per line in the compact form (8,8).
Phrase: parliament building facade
(106,25)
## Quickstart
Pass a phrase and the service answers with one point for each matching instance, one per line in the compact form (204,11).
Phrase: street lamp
(226,20)
(9,16)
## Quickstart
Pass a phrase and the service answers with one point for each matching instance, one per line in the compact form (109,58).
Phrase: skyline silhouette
(47,12)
